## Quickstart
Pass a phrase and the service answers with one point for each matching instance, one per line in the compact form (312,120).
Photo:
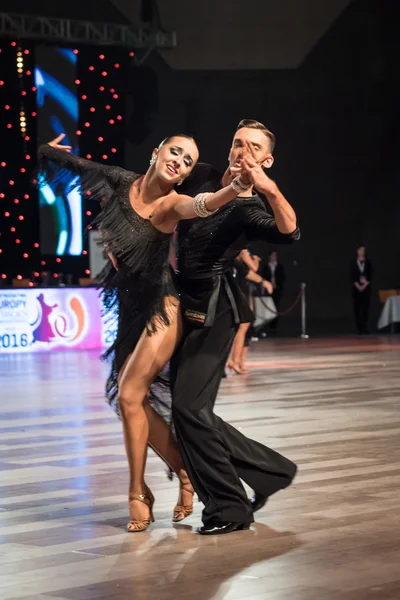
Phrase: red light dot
(104,157)
(84,97)
(91,68)
(108,107)
(116,65)
(3,164)
(92,109)
(113,150)
(87,124)
(78,132)
(25,255)
(28,72)
(111,121)
(27,138)
(23,170)
(1,251)
(26,196)
(43,263)
(89,156)
(34,181)
(89,214)
(84,252)
(9,126)
(77,81)
(87,271)
(88,193)
(6,214)
(17,241)
(131,54)
(102,88)
(33,114)
(58,260)
(101,139)
(16,201)
(11,182)
(33,89)
(23,93)
(36,274)
(19,276)
(89,227)
(112,90)
(30,284)
(27,157)
(36,245)
(4,276)
(76,51)
(13,43)
(119,117)
(104,73)
(2,195)
(7,107)
(12,229)
(21,218)
(26,51)
(55,275)
(101,56)
(115,96)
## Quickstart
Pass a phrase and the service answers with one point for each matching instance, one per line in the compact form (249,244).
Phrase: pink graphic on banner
(53,319)
(44,331)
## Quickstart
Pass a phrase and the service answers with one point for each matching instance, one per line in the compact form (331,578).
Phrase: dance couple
(193,328)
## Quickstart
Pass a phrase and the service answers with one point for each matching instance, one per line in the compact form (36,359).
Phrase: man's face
(259,143)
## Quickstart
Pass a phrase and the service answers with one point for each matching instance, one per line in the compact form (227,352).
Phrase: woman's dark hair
(182,135)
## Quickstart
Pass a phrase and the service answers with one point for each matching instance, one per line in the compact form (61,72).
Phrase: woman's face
(175,159)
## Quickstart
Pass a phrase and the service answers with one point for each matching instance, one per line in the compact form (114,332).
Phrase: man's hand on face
(256,173)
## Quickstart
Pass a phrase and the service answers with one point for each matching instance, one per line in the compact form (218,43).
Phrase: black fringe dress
(135,293)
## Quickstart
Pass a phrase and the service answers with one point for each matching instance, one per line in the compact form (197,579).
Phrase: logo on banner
(55,325)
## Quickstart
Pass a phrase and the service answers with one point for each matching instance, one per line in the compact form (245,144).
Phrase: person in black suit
(274,272)
(361,277)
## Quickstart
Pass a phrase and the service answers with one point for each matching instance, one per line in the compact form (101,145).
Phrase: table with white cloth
(264,310)
(390,313)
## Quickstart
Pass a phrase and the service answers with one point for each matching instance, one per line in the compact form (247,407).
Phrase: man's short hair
(252,124)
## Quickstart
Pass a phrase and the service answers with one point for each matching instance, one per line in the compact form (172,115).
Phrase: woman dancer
(246,267)
(138,217)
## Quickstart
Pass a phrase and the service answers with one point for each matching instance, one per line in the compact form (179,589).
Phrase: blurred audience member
(361,277)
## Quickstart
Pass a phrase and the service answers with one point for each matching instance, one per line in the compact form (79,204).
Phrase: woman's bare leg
(146,361)
(234,361)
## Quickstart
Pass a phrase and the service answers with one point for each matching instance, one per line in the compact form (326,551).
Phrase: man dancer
(216,455)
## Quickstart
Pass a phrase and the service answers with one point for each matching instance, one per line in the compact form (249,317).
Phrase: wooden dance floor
(330,405)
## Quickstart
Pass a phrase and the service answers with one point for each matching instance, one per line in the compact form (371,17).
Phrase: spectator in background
(246,267)
(274,272)
(361,277)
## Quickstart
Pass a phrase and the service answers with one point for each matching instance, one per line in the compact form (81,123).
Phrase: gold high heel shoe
(141,525)
(182,511)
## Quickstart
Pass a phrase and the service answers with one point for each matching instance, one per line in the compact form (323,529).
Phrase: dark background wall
(336,118)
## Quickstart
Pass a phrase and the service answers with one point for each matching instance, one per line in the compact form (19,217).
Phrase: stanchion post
(304,335)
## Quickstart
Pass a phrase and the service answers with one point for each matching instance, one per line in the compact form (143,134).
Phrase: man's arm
(285,217)
(258,224)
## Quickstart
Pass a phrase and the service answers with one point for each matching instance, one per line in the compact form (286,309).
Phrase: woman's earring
(153,160)
(180,182)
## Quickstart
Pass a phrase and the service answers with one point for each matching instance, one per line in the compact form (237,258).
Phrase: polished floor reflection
(332,406)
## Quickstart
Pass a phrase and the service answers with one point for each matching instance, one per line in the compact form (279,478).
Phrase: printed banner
(41,320)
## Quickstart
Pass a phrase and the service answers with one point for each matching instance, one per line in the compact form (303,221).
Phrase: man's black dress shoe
(258,501)
(222,528)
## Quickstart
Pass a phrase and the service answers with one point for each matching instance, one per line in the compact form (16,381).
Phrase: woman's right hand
(56,143)
(268,286)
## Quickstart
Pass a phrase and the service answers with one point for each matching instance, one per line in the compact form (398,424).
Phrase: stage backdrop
(41,320)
